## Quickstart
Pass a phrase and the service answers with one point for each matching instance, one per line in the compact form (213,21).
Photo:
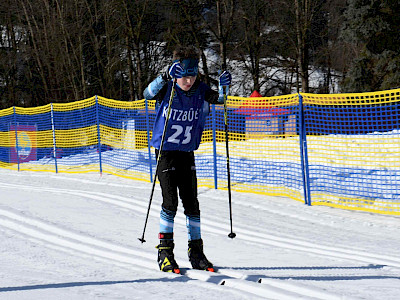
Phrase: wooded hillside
(66,50)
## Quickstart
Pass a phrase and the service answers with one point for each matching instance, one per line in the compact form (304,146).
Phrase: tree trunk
(302,44)
(36,51)
(139,73)
(130,71)
(222,39)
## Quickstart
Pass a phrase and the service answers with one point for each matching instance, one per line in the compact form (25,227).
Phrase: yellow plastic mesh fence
(353,143)
(340,150)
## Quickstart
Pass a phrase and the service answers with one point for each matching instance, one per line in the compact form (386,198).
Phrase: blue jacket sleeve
(154,87)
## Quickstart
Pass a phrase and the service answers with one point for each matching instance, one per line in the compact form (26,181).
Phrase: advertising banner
(26,142)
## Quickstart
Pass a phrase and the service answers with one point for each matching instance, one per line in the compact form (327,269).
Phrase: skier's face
(185,83)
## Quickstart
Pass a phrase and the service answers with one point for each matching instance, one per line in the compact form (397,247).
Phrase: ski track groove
(245,234)
(67,241)
(82,245)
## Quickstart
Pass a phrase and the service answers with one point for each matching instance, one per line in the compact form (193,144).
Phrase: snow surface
(75,236)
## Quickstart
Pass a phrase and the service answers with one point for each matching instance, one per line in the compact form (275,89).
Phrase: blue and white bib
(186,121)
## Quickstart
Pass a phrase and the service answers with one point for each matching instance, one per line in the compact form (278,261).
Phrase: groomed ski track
(239,281)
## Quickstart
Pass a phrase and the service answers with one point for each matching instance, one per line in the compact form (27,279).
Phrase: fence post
(304,153)
(214,131)
(98,134)
(54,137)
(148,139)
(16,136)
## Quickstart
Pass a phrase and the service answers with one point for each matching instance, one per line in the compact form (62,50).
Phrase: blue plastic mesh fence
(353,143)
(337,150)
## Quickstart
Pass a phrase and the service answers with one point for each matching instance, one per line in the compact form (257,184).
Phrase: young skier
(176,167)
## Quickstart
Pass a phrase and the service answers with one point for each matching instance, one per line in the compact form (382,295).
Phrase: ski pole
(158,158)
(231,234)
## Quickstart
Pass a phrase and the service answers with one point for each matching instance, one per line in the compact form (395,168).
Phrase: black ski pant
(177,173)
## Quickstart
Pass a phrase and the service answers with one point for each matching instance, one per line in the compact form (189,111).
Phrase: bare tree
(225,16)
(8,55)
(219,21)
(253,44)
(187,26)
(145,51)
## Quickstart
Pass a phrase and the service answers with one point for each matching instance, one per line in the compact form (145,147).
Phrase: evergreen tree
(373,27)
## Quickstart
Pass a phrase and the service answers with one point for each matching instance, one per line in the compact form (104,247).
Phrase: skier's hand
(225,79)
(176,70)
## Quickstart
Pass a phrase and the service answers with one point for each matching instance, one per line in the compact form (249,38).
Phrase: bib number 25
(181,135)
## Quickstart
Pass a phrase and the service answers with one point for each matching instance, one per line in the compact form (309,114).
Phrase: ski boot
(197,258)
(166,260)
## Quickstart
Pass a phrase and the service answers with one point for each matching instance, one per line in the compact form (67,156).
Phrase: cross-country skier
(176,168)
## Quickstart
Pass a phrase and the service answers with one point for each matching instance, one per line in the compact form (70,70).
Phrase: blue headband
(190,67)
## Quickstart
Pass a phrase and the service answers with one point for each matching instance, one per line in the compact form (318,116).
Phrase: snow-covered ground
(76,236)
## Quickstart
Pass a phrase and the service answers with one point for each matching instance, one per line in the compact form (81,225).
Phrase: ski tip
(210,270)
(232,235)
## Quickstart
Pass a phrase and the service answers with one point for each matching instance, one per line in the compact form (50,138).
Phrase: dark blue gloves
(175,71)
(225,78)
